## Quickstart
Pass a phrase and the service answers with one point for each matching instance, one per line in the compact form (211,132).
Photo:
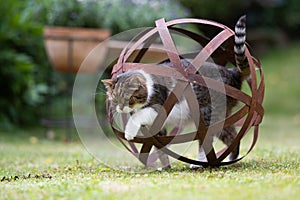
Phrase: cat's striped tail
(239,48)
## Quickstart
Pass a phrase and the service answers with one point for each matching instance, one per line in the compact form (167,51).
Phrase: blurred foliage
(222,11)
(22,61)
(121,15)
(116,15)
(263,14)
(74,13)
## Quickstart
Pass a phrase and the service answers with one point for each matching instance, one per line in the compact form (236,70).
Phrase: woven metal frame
(249,115)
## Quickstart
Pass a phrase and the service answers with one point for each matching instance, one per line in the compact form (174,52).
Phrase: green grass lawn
(32,167)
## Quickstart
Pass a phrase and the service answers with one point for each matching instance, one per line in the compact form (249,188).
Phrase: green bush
(115,15)
(222,11)
(21,58)
(74,13)
(123,15)
(263,14)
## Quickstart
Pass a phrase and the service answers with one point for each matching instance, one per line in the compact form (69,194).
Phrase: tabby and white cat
(143,94)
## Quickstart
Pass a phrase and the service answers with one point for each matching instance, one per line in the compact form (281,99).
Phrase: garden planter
(68,47)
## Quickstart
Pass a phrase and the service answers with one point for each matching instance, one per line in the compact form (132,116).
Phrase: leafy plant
(20,58)
(116,15)
(281,14)
(76,13)
(123,15)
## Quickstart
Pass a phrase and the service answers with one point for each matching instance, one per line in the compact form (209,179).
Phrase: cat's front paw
(128,136)
(194,167)
(131,130)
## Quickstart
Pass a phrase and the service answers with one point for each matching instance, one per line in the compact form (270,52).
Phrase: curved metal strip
(208,50)
(252,104)
(197,21)
(247,124)
(167,107)
(198,79)
(169,45)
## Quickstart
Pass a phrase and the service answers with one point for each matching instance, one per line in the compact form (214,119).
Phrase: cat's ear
(108,83)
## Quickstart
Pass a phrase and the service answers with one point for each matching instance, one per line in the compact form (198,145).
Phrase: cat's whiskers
(100,91)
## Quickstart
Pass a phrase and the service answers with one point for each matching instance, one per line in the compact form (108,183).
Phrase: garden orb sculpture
(220,49)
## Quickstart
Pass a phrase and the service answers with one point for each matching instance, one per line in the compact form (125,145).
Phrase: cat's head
(127,92)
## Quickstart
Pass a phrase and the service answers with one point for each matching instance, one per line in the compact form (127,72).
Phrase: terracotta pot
(68,47)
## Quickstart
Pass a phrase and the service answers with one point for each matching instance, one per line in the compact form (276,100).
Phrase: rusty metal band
(173,97)
(252,104)
(126,54)
(248,123)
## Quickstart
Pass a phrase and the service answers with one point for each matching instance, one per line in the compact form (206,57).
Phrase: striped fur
(239,48)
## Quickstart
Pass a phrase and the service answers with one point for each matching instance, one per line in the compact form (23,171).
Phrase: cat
(142,95)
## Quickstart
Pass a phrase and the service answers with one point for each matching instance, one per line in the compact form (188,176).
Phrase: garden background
(37,165)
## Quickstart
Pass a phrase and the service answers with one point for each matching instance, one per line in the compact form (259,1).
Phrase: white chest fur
(179,114)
